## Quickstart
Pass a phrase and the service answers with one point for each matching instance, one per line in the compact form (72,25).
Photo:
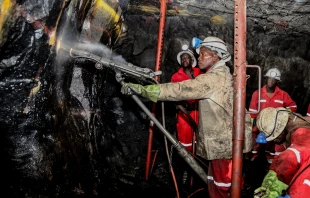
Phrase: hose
(167,153)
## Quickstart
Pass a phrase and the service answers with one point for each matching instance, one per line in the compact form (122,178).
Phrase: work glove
(150,92)
(253,122)
(271,186)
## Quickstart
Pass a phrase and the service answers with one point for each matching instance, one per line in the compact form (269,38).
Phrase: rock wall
(66,131)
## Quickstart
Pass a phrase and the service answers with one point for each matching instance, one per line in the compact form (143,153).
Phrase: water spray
(129,69)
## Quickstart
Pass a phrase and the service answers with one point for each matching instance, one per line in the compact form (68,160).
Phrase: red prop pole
(161,31)
(240,94)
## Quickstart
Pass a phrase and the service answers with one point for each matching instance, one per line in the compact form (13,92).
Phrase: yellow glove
(150,91)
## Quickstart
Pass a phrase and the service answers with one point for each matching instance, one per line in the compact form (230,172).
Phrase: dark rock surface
(67,131)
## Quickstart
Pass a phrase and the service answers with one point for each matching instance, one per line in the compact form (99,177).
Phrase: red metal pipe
(240,94)
(161,31)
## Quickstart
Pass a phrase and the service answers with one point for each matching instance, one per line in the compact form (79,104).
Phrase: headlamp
(196,42)
(261,138)
(184,47)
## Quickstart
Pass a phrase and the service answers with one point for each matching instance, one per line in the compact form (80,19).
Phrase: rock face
(67,131)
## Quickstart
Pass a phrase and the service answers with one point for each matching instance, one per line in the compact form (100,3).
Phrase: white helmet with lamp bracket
(214,44)
(274,73)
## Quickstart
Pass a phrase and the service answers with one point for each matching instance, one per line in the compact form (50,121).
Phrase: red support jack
(161,31)
(239,96)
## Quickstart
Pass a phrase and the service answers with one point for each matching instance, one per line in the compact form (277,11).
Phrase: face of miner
(271,82)
(207,58)
(186,60)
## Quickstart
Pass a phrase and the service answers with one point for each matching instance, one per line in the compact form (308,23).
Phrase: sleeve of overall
(254,104)
(200,87)
(289,102)
(286,166)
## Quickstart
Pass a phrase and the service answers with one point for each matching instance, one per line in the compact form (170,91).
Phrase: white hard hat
(186,50)
(274,73)
(215,44)
(272,121)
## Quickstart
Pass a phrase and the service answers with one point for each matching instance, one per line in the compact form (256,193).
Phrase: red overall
(292,161)
(308,112)
(279,98)
(184,129)
(219,176)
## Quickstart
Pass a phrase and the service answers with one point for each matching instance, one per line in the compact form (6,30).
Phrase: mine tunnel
(68,131)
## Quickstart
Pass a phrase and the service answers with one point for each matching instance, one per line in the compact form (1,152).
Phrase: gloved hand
(272,192)
(271,186)
(253,122)
(277,187)
(150,91)
(260,192)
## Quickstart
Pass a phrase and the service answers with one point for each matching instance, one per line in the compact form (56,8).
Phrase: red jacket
(308,112)
(184,129)
(180,76)
(279,98)
(292,161)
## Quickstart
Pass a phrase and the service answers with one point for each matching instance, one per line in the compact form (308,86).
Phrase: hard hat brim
(272,121)
(277,78)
